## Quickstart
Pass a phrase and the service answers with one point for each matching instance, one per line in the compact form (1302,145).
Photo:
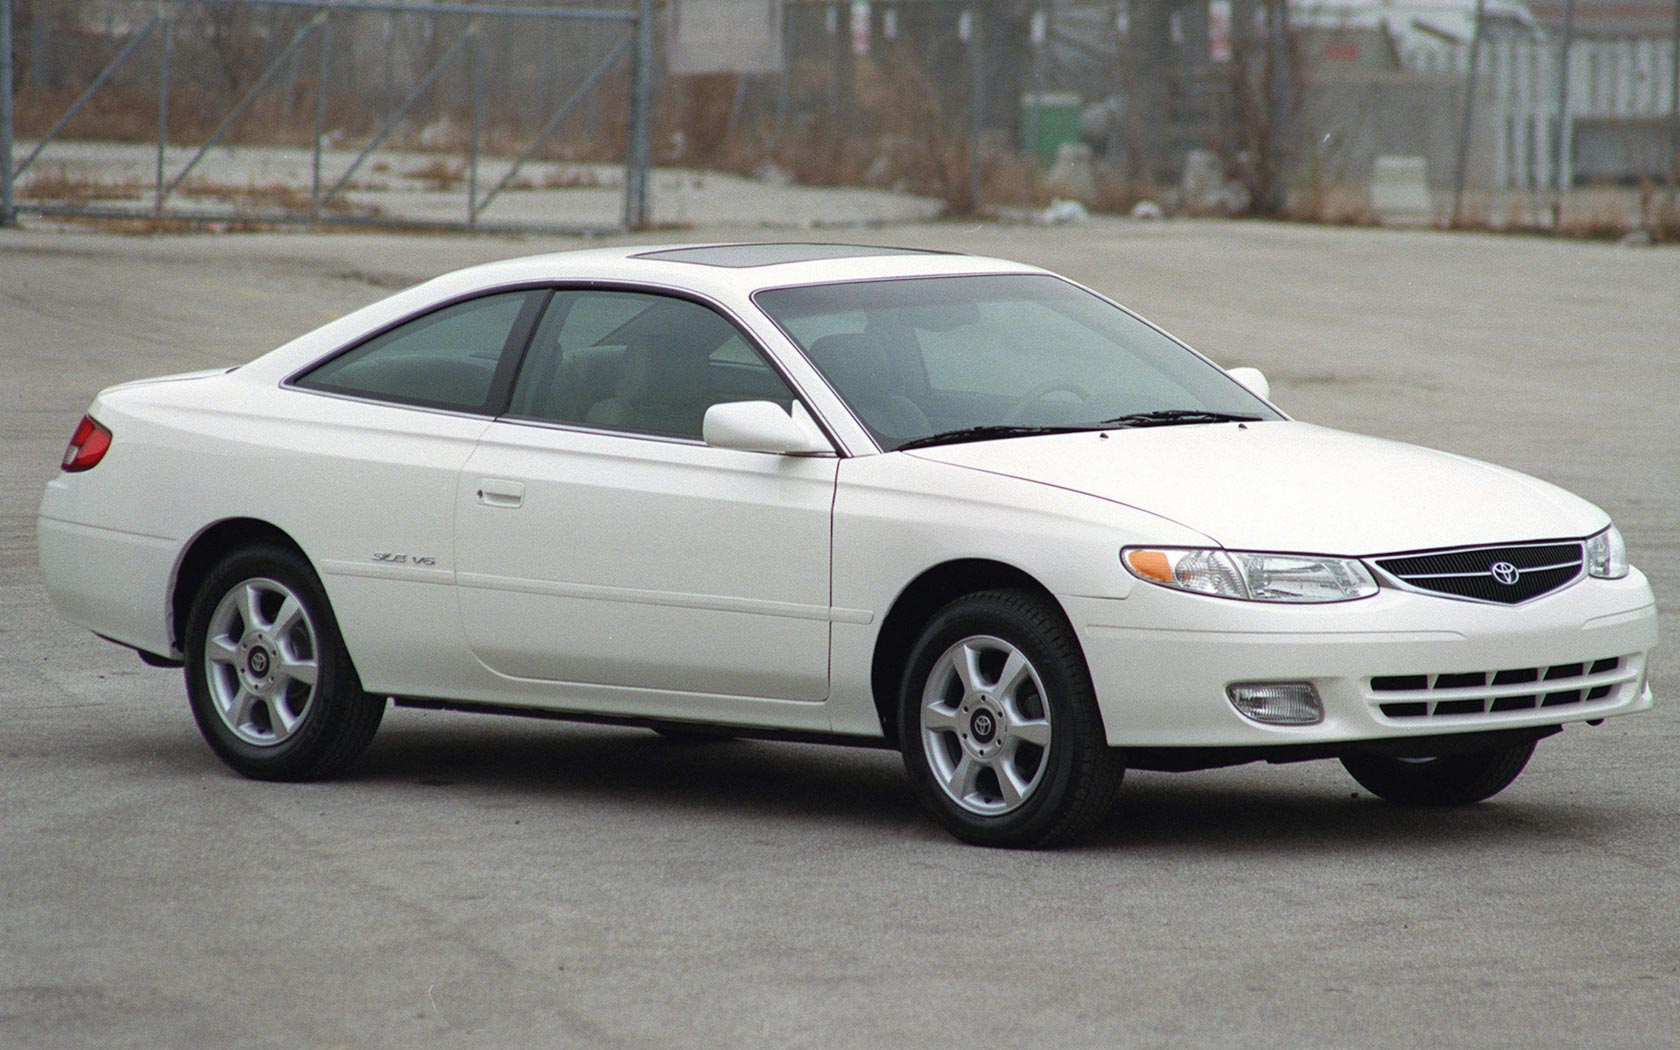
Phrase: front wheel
(1447,780)
(271,685)
(999,724)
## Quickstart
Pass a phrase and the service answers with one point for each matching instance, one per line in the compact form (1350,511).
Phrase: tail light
(88,446)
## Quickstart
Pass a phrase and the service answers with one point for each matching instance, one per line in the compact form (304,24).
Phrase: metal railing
(159,32)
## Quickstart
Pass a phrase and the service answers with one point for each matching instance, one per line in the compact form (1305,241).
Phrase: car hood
(1289,486)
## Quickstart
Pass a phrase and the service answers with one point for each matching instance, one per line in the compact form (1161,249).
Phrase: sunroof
(744,255)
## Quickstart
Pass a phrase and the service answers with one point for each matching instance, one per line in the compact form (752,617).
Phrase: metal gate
(324,38)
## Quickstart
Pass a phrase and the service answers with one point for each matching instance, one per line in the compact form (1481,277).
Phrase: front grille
(1504,575)
(1492,692)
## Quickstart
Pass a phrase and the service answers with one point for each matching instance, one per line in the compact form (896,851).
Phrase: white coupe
(959,506)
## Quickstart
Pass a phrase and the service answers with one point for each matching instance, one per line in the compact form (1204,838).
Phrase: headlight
(1252,576)
(1607,555)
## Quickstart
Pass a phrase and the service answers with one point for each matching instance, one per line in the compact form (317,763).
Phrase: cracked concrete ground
(504,883)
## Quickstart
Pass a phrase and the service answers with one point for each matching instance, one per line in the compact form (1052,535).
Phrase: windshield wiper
(1170,417)
(989,432)
(993,431)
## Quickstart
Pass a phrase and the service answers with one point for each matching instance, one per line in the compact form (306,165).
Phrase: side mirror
(763,426)
(1253,380)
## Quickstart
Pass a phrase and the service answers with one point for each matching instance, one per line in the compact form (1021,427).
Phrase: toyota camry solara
(959,506)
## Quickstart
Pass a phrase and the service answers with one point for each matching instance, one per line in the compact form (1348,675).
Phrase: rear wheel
(1448,780)
(999,725)
(271,685)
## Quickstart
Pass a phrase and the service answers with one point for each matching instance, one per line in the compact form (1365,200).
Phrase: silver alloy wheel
(985,725)
(260,661)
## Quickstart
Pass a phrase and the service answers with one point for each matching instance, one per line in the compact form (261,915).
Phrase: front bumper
(1161,661)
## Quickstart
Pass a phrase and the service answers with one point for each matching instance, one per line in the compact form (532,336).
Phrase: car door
(379,434)
(600,541)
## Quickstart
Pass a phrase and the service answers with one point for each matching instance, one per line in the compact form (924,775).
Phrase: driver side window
(632,361)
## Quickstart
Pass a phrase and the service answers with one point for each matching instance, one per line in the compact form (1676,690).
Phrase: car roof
(724,269)
(772,253)
(726,273)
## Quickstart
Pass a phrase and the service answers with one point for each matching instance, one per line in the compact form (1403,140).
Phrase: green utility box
(1049,119)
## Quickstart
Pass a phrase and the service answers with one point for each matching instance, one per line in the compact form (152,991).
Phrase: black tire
(1449,780)
(1054,792)
(248,650)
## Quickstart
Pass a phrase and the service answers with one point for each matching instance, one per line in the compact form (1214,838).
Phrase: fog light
(1277,703)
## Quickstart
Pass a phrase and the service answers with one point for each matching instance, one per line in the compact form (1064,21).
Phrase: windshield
(973,357)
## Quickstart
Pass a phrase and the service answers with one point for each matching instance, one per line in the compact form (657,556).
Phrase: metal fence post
(632,129)
(644,142)
(1561,177)
(638,147)
(1469,116)
(475,63)
(163,110)
(784,97)
(1038,36)
(37,48)
(8,215)
(324,68)
(1280,75)
(977,104)
(1674,119)
(832,14)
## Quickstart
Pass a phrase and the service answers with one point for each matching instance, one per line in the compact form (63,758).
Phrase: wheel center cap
(983,725)
(258,662)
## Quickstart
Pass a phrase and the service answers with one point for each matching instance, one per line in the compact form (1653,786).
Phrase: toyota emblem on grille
(1504,572)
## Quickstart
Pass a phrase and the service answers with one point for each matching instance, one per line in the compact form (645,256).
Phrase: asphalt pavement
(482,882)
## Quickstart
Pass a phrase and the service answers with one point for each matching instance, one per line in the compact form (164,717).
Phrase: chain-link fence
(1337,110)
(329,111)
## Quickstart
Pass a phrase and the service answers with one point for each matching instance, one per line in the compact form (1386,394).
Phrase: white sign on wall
(725,36)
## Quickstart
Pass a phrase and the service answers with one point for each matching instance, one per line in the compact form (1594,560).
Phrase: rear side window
(445,359)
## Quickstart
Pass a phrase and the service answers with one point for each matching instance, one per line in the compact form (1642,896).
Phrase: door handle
(494,492)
